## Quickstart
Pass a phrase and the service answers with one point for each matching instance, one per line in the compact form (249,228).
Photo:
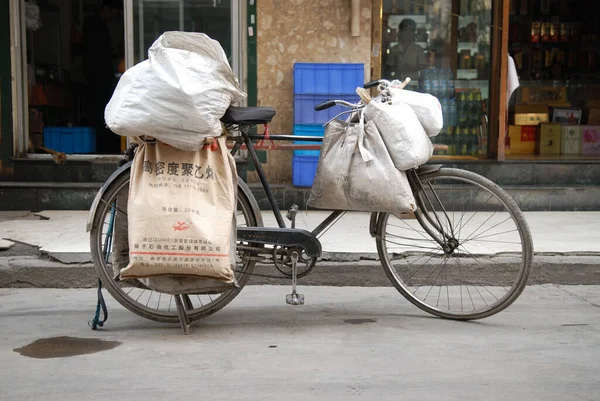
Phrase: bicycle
(450,265)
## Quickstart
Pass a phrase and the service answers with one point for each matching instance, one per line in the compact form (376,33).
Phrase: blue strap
(101,304)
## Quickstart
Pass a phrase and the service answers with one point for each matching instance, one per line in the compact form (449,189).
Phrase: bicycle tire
(116,288)
(519,257)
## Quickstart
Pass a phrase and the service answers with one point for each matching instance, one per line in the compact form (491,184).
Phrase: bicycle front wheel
(108,258)
(466,254)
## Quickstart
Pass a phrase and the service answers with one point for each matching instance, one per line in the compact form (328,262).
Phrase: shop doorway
(76,51)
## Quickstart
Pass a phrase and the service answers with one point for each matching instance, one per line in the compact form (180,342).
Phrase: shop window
(556,111)
(153,17)
(75,57)
(444,46)
(74,53)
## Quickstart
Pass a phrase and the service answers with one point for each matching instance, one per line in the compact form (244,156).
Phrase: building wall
(6,137)
(290,31)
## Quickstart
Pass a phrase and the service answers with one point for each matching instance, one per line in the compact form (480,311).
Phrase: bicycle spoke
(486,220)
(490,235)
(410,245)
(467,222)
(421,233)
(435,281)
(139,296)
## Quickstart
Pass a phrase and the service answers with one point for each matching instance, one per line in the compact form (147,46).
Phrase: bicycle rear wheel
(132,294)
(466,254)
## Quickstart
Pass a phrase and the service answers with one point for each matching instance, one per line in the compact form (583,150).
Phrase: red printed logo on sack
(181,226)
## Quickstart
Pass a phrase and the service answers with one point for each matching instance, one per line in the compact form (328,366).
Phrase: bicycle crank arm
(285,237)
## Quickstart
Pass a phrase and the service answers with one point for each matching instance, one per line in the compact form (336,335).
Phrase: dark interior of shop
(555,46)
(67,43)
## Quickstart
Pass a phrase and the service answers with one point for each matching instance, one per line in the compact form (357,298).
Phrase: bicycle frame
(438,233)
(246,139)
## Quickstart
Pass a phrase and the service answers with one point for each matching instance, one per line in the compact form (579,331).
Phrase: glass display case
(444,46)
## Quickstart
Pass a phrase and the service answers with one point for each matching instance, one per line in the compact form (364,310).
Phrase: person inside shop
(407,58)
(99,72)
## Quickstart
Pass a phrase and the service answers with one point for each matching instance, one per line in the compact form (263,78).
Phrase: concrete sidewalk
(567,241)
(344,344)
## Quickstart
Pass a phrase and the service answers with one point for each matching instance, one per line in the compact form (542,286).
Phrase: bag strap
(101,305)
(364,153)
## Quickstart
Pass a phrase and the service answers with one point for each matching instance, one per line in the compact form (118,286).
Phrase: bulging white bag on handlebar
(178,95)
(402,132)
(427,108)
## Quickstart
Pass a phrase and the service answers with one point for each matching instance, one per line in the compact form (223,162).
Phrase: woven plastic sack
(402,133)
(181,213)
(170,284)
(355,172)
(178,95)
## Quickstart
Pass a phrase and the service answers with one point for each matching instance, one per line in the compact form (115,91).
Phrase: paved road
(544,347)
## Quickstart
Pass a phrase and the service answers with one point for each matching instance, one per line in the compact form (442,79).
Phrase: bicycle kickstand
(183,317)
(294,298)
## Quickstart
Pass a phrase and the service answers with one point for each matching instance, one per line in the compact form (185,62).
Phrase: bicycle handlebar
(325,105)
(330,103)
(383,83)
(371,84)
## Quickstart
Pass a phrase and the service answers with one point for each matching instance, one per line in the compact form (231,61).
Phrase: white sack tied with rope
(178,95)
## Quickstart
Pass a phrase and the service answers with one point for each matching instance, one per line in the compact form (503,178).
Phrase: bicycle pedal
(294,299)
(291,214)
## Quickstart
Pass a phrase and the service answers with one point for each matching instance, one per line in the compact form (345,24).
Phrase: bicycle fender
(250,196)
(124,169)
(373,224)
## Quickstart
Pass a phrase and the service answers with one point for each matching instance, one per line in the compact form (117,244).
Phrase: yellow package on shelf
(549,139)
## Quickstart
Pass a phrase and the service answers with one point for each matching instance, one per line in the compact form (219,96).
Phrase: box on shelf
(532,109)
(571,140)
(547,95)
(308,130)
(521,139)
(70,139)
(304,169)
(566,116)
(531,114)
(549,139)
(531,118)
(324,78)
(594,116)
(590,135)
(466,73)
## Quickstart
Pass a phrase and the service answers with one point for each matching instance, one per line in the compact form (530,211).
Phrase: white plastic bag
(427,108)
(355,172)
(402,132)
(178,95)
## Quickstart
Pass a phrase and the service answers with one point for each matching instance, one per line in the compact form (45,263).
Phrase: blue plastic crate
(70,139)
(308,130)
(304,107)
(304,169)
(324,78)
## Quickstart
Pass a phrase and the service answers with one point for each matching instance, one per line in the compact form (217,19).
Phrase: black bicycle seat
(248,115)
